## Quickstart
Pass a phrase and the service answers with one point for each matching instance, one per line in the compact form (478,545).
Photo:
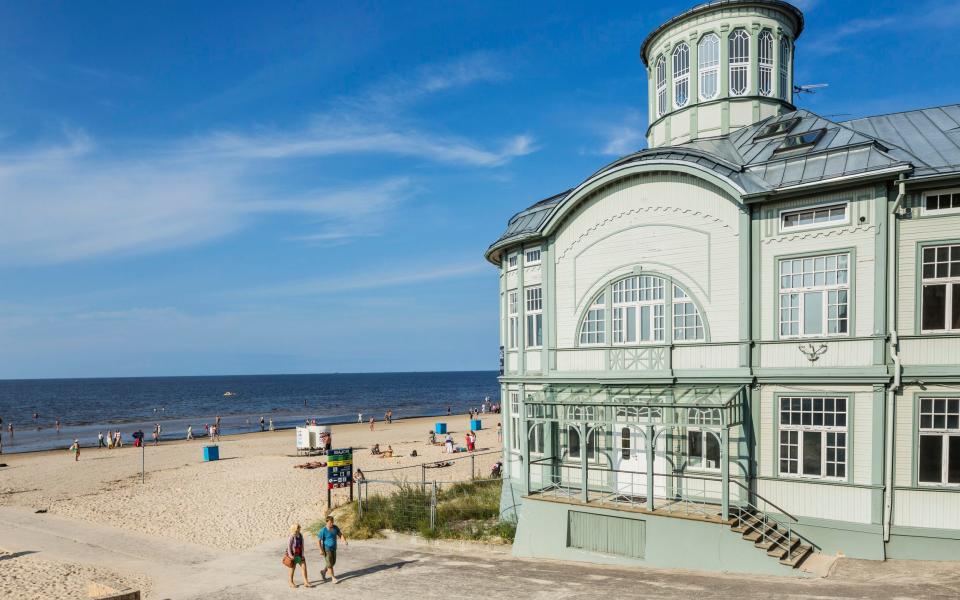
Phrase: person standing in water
(57,423)
(189,432)
(75,447)
(261,423)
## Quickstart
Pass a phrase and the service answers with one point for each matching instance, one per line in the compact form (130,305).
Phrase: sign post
(339,471)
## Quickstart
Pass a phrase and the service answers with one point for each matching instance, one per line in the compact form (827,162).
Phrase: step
(784,548)
(797,556)
(747,524)
(756,534)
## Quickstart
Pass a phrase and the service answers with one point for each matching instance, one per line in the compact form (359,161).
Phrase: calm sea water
(86,406)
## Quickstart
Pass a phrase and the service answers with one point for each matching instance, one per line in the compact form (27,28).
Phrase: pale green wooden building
(741,345)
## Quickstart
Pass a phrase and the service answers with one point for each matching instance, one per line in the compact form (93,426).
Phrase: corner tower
(719,66)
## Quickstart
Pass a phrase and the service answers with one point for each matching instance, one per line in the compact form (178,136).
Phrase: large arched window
(765,51)
(638,313)
(784,67)
(681,75)
(661,75)
(708,66)
(739,62)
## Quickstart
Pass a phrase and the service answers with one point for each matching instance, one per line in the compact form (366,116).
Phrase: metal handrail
(746,489)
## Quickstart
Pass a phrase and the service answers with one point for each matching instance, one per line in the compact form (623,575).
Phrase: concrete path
(399,569)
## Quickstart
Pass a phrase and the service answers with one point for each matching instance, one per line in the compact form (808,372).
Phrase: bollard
(473,470)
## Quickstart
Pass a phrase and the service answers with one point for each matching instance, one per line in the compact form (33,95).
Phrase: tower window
(739,62)
(661,74)
(681,75)
(784,66)
(708,59)
(765,43)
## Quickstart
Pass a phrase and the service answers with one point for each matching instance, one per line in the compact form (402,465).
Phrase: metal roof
(926,142)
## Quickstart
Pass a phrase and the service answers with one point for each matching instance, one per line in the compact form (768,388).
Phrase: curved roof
(720,4)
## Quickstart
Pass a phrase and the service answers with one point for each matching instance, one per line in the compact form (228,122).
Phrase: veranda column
(583,462)
(725,472)
(650,447)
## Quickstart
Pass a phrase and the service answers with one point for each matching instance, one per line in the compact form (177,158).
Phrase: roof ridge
(902,112)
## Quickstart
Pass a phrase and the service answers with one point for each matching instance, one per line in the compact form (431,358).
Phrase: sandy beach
(248,497)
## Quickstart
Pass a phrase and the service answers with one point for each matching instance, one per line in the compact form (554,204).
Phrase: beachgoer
(360,417)
(448,443)
(100,443)
(217,422)
(375,450)
(189,432)
(213,433)
(495,470)
(295,553)
(158,430)
(499,434)
(261,423)
(327,541)
(109,440)
(449,409)
(10,428)
(371,423)
(470,440)
(358,476)
(271,424)
(156,437)
(75,448)
(432,437)
(58,425)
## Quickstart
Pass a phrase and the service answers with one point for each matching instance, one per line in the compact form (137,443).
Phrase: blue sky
(240,187)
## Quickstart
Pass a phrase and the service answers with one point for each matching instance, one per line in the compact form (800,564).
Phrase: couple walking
(326,540)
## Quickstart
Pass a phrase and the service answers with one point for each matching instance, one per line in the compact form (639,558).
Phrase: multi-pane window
(534,317)
(513,319)
(592,330)
(708,61)
(813,436)
(661,75)
(937,201)
(784,67)
(703,445)
(940,304)
(765,56)
(814,295)
(681,75)
(512,261)
(739,62)
(535,440)
(687,324)
(817,216)
(532,256)
(638,309)
(939,451)
(515,421)
(573,442)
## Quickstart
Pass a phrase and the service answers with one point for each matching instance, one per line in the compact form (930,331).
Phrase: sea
(85,407)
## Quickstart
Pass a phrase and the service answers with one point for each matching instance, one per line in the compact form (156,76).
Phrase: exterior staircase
(769,535)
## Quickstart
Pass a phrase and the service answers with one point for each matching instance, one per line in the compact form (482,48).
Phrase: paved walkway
(397,569)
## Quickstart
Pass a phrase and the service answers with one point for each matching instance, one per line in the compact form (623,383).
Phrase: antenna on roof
(810,88)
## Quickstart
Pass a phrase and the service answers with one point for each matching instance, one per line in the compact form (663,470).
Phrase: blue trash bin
(475,425)
(440,428)
(211,453)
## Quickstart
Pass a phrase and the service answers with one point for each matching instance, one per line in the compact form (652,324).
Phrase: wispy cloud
(920,17)
(625,136)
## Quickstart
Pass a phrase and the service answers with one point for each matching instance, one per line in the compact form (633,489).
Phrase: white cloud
(624,137)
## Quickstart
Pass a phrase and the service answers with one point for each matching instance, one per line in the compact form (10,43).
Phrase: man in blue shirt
(327,541)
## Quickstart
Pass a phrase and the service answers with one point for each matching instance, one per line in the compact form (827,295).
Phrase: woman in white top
(448,442)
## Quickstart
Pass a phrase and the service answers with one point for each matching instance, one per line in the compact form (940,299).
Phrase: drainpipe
(894,354)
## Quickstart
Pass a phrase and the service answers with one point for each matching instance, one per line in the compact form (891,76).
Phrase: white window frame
(699,330)
(515,421)
(595,317)
(513,261)
(620,309)
(738,63)
(824,288)
(513,319)
(824,430)
(527,261)
(660,75)
(765,63)
(784,80)
(680,60)
(950,282)
(708,65)
(535,439)
(950,408)
(702,419)
(814,208)
(955,198)
(533,297)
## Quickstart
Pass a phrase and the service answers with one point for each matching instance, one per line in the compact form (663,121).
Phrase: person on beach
(217,423)
(359,417)
(371,423)
(327,541)
(295,554)
(499,434)
(449,409)
(57,423)
(156,437)
(189,432)
(448,443)
(100,443)
(75,448)
(271,424)
(358,475)
(119,443)
(213,433)
(261,423)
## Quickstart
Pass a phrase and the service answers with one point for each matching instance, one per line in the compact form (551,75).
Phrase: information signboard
(339,468)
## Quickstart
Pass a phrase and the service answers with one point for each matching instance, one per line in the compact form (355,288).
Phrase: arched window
(625,443)
(687,324)
(739,62)
(592,330)
(708,61)
(703,445)
(573,443)
(784,67)
(681,75)
(661,75)
(765,51)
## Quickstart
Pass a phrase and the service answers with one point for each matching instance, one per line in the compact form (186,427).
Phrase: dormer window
(661,73)
(800,141)
(765,45)
(681,75)
(708,59)
(739,62)
(776,128)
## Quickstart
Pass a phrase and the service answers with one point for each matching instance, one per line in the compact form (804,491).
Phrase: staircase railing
(774,532)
